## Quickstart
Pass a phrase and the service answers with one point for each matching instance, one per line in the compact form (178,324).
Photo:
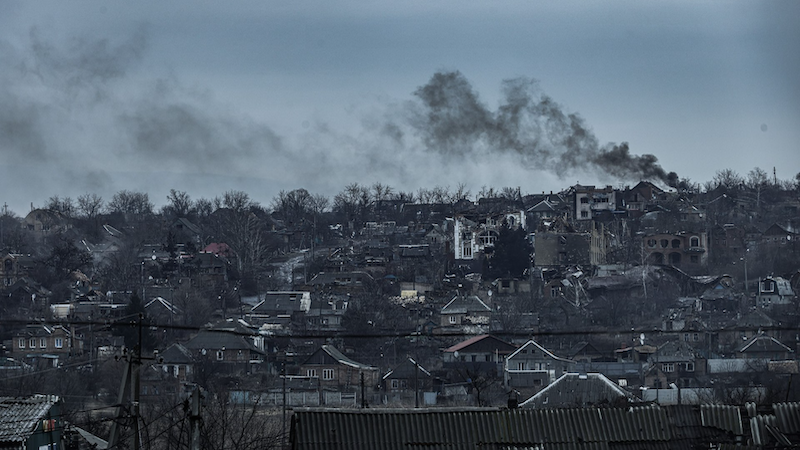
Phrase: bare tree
(180,204)
(130,202)
(236,425)
(461,193)
(727,179)
(353,203)
(64,206)
(381,192)
(90,205)
(237,201)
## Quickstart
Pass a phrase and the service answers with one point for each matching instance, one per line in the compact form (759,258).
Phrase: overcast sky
(262,96)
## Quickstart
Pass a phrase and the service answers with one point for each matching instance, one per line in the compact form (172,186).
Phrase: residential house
(727,239)
(587,352)
(781,235)
(480,354)
(765,348)
(774,292)
(326,312)
(580,390)
(341,282)
(675,362)
(465,310)
(533,366)
(407,380)
(178,362)
(16,267)
(163,311)
(208,269)
(47,343)
(286,308)
(472,235)
(26,293)
(562,248)
(45,221)
(31,423)
(682,250)
(187,233)
(639,197)
(588,200)
(232,349)
(337,371)
(540,212)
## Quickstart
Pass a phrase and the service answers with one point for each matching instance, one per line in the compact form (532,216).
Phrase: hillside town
(668,301)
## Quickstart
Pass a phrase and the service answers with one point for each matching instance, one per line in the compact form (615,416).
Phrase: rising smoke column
(452,120)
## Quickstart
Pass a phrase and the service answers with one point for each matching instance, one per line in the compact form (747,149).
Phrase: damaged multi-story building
(472,235)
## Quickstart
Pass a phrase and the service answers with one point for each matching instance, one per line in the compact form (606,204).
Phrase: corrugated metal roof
(787,416)
(724,417)
(19,417)
(468,428)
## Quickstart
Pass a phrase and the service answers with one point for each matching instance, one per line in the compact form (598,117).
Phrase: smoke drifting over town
(528,123)
(80,115)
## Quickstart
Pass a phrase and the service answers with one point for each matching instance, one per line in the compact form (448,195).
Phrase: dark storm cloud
(451,119)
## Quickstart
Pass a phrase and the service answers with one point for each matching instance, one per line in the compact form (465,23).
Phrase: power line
(401,333)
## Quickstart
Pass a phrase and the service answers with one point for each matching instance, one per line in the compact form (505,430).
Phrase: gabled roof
(217,248)
(160,302)
(19,417)
(484,339)
(764,343)
(341,278)
(465,304)
(177,354)
(756,319)
(406,369)
(218,339)
(334,353)
(584,348)
(675,350)
(532,343)
(542,206)
(573,389)
(185,223)
(283,301)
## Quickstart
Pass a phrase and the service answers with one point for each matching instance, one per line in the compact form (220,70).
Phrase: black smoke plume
(451,119)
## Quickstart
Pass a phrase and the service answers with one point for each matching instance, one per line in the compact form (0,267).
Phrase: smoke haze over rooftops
(82,115)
